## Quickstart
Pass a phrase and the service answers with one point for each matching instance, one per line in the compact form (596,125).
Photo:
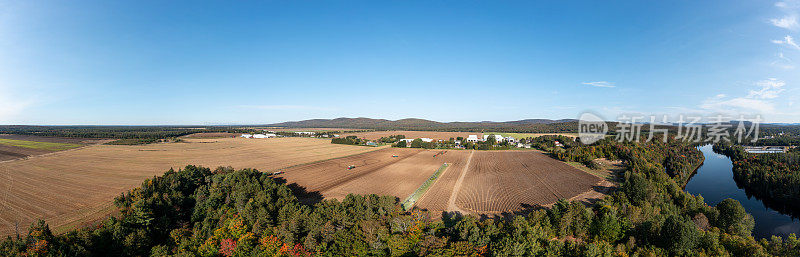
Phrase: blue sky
(171,62)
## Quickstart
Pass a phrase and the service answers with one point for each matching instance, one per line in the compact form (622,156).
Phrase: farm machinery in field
(351,167)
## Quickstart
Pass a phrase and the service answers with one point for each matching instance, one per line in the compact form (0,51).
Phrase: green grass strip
(38,145)
(412,199)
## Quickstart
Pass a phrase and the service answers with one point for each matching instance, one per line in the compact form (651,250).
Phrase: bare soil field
(373,135)
(507,181)
(493,182)
(65,140)
(74,187)
(9,152)
(513,180)
(438,195)
(11,148)
(399,179)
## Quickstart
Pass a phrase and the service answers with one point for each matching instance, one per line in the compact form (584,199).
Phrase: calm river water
(714,181)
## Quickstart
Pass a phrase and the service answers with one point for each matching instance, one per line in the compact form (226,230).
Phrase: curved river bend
(714,181)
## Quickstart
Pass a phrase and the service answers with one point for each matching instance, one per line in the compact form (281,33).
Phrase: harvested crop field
(64,140)
(436,135)
(478,182)
(21,146)
(505,181)
(374,173)
(10,152)
(70,188)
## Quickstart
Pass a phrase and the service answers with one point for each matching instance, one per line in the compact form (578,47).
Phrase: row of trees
(349,140)
(391,139)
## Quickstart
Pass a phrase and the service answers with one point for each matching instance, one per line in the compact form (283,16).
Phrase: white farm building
(472,138)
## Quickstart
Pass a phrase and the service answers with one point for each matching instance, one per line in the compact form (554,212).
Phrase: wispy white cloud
(770,88)
(738,105)
(285,107)
(756,101)
(788,41)
(600,84)
(783,62)
(789,20)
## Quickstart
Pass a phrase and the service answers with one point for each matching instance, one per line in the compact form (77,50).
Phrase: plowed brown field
(505,181)
(375,172)
(509,181)
(75,186)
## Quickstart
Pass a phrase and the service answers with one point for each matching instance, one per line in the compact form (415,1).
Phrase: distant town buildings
(766,149)
(270,135)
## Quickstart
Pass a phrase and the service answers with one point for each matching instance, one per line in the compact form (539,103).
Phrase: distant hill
(528,125)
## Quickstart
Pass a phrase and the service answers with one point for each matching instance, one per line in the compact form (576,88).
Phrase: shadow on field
(303,195)
(451,218)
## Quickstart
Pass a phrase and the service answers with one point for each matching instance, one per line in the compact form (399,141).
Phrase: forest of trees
(349,140)
(391,139)
(678,159)
(126,135)
(772,177)
(196,211)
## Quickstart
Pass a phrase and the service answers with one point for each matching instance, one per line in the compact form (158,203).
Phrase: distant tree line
(124,134)
(391,139)
(349,140)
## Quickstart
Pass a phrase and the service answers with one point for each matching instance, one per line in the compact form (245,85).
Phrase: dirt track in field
(73,187)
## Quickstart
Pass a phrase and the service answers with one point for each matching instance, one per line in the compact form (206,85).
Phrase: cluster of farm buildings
(474,139)
(272,134)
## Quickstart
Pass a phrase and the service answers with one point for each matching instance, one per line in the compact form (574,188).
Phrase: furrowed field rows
(76,186)
(374,173)
(506,181)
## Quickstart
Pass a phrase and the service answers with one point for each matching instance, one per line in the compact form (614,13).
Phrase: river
(714,181)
